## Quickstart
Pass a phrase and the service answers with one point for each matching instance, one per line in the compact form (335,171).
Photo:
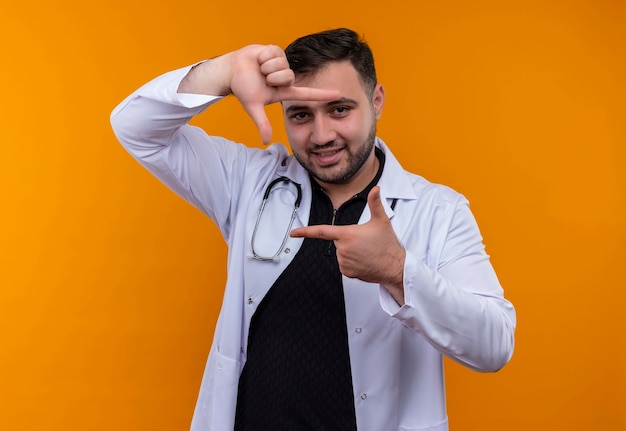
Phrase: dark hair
(309,54)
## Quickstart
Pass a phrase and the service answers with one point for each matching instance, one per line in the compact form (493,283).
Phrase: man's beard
(355,162)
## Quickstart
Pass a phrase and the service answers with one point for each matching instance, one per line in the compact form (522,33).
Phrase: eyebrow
(340,101)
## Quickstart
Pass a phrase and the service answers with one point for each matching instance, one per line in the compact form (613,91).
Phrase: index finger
(321,231)
(306,94)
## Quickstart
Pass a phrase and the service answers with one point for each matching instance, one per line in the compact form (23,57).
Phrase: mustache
(327,146)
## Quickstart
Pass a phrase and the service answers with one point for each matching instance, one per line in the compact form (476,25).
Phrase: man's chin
(339,178)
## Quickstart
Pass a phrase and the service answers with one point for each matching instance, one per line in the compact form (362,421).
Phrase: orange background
(110,284)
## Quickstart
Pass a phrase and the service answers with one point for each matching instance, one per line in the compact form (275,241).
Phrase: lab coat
(454,304)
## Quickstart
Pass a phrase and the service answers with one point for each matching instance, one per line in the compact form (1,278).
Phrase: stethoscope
(266,195)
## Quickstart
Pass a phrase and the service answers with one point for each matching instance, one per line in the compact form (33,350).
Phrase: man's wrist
(211,77)
(395,285)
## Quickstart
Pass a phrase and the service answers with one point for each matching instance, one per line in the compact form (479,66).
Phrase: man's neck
(340,193)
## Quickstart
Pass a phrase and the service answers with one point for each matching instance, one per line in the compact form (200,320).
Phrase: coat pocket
(218,394)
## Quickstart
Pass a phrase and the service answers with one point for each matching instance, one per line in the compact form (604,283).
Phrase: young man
(348,277)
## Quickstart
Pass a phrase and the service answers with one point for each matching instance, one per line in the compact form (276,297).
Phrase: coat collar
(394,183)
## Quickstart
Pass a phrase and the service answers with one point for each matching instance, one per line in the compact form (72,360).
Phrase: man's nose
(323,131)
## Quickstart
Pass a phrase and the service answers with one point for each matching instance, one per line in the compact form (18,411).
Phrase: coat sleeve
(452,295)
(207,171)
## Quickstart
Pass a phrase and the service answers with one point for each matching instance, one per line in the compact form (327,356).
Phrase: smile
(327,157)
(325,153)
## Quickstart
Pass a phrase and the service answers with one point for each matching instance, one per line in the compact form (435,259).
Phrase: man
(348,277)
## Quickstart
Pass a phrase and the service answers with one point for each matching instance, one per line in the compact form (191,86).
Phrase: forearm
(395,280)
(147,119)
(451,294)
(151,124)
(212,77)
(475,329)
(153,113)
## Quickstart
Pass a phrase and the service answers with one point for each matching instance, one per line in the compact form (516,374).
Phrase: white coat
(454,304)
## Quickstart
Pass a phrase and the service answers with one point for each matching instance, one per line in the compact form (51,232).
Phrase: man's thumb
(375,204)
(257,113)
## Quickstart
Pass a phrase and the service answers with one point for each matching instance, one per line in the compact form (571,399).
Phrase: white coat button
(358,330)
(287,250)
(363,396)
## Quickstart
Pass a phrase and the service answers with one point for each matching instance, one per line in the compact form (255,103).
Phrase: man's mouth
(326,152)
(327,156)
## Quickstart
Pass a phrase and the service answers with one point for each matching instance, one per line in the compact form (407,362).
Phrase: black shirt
(297,375)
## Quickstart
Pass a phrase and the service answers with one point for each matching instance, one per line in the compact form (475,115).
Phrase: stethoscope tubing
(266,196)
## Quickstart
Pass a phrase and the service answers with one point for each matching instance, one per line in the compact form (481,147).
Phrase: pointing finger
(317,232)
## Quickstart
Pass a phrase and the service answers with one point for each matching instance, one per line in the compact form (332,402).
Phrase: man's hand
(257,75)
(261,76)
(370,252)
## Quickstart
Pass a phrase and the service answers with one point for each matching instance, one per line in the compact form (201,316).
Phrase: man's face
(334,140)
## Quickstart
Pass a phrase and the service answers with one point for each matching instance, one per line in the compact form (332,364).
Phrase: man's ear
(378,100)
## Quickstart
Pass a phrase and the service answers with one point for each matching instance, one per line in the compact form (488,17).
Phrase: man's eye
(299,116)
(341,110)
